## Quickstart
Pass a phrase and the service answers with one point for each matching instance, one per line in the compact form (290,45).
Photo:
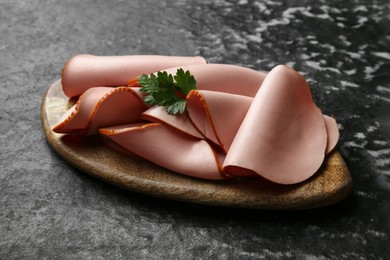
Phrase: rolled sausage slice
(85,71)
(283,137)
(225,78)
(169,148)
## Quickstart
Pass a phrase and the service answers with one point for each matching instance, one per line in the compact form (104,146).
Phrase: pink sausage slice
(283,137)
(225,78)
(86,71)
(169,148)
(333,133)
(217,115)
(158,114)
(101,107)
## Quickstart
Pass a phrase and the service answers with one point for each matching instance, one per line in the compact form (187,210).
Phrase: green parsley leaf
(177,108)
(150,100)
(185,82)
(149,84)
(165,79)
(163,89)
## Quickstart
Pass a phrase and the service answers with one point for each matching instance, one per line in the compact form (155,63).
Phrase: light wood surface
(331,184)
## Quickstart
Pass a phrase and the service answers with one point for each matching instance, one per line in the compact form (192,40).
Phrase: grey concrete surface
(49,210)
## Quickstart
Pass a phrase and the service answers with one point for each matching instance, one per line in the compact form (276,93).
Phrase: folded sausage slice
(217,115)
(333,133)
(283,137)
(159,114)
(86,71)
(169,148)
(101,107)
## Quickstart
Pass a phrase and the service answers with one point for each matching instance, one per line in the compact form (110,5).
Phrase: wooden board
(331,184)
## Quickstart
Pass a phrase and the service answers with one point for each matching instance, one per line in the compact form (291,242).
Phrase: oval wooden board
(331,184)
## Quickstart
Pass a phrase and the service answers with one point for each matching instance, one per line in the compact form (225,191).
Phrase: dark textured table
(49,209)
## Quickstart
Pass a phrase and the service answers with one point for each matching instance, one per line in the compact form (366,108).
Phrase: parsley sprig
(167,90)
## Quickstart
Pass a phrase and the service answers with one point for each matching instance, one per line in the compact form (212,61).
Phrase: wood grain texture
(331,184)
